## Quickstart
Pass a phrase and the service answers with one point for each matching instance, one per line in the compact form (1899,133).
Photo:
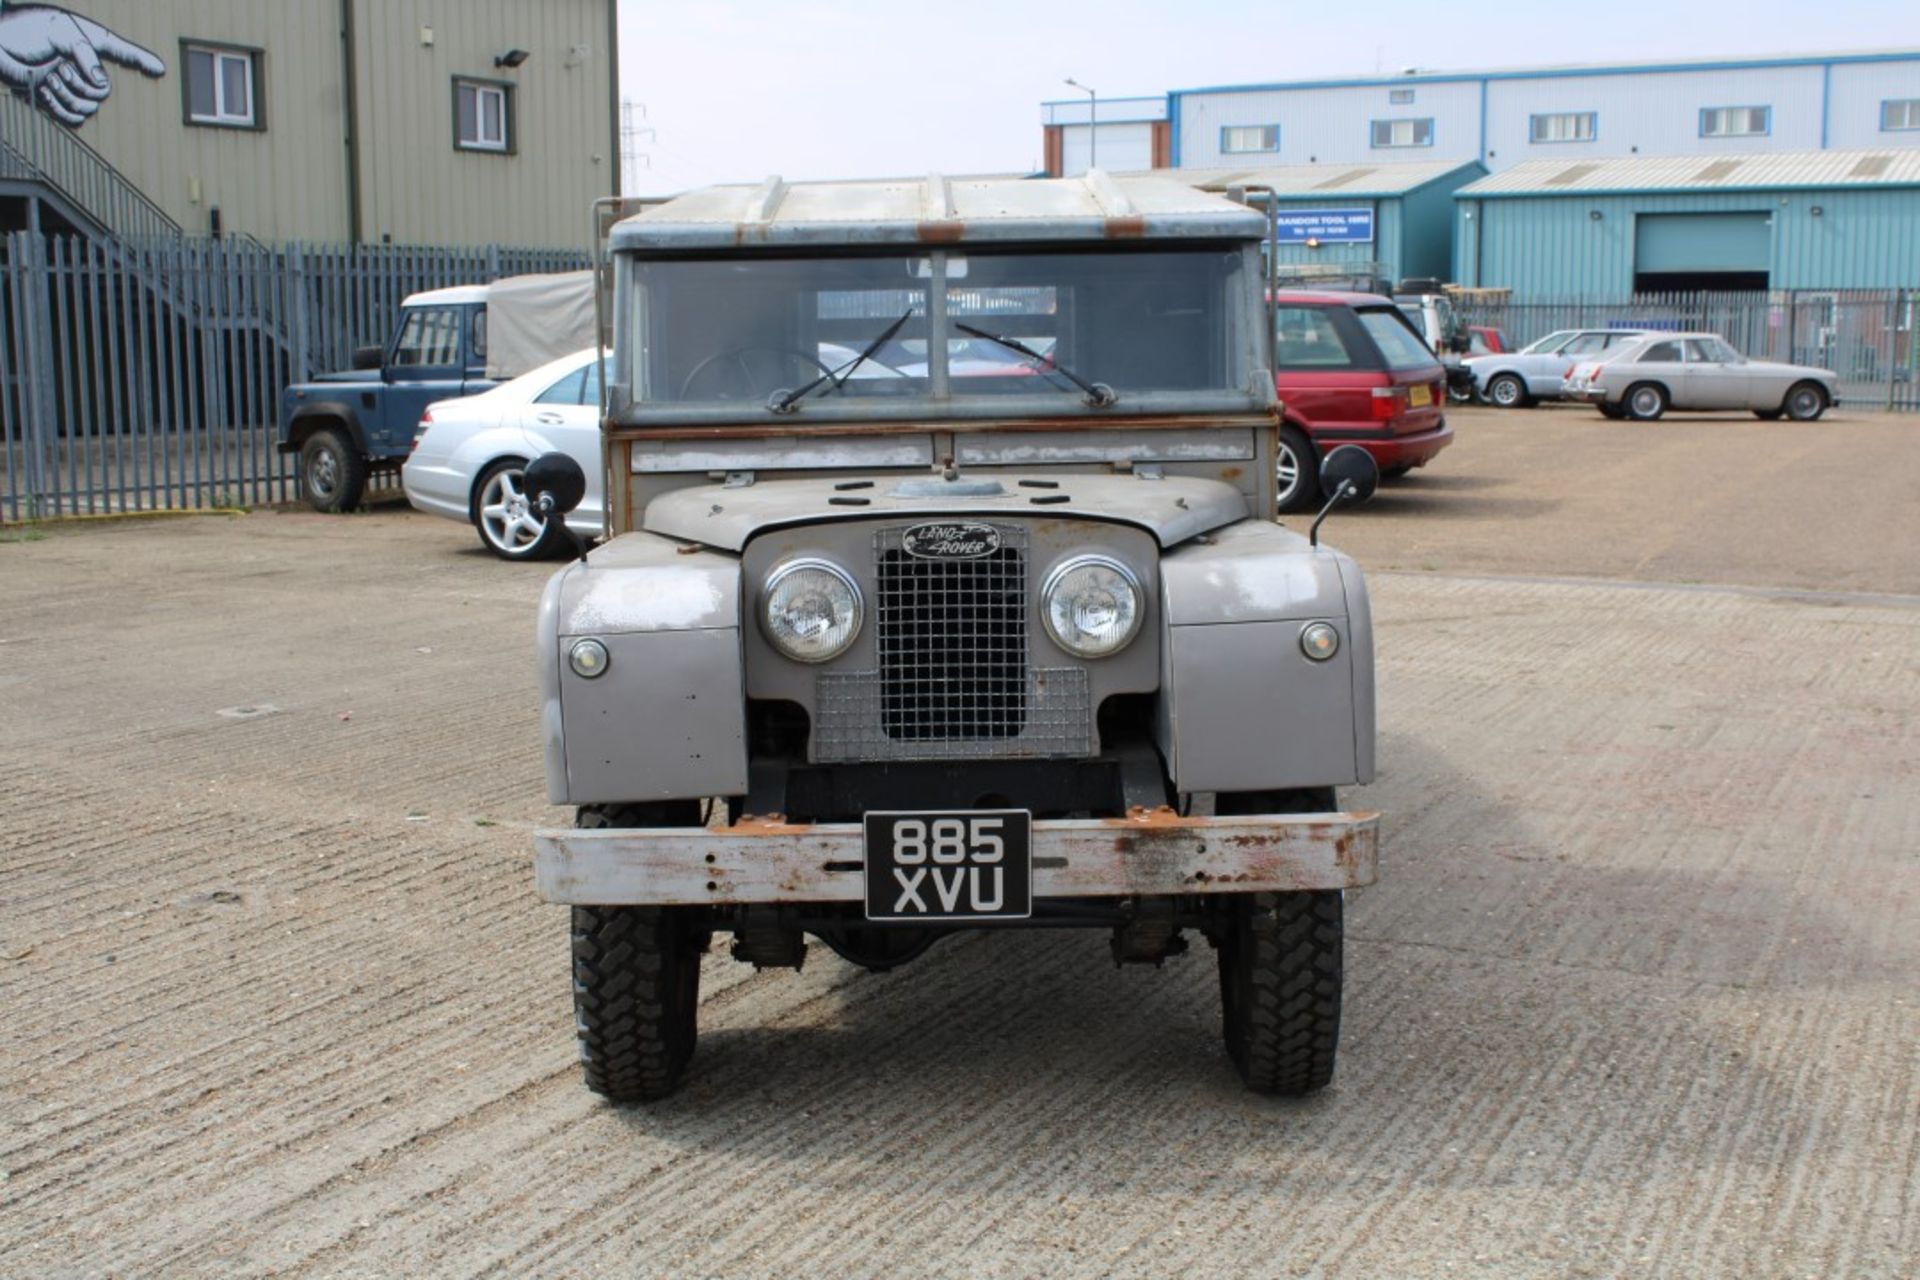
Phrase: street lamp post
(1093,122)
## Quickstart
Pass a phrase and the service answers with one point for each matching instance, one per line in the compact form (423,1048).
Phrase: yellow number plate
(1421,395)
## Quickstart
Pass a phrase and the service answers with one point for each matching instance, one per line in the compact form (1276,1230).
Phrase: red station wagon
(1351,370)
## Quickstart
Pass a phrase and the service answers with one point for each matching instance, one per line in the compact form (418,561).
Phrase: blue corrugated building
(1390,220)
(1608,228)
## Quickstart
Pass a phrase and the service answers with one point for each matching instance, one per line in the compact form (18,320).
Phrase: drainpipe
(351,122)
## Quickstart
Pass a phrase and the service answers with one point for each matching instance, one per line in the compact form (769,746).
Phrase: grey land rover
(943,591)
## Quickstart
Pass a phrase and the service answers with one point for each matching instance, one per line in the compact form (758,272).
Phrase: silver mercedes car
(1661,371)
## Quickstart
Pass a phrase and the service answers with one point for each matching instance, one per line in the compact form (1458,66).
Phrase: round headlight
(1319,641)
(1092,606)
(813,610)
(588,658)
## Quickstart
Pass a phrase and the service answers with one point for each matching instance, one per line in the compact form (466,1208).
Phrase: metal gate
(141,376)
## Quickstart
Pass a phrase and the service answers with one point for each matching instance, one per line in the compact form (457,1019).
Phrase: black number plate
(976,864)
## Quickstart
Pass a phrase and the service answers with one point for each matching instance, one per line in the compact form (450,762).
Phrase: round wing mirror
(556,482)
(1349,465)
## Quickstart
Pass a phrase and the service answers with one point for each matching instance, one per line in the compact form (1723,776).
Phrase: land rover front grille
(955,678)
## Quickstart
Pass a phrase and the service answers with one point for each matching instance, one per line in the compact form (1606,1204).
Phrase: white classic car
(1661,371)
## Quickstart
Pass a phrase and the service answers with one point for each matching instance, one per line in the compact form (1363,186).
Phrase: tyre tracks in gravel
(1634,993)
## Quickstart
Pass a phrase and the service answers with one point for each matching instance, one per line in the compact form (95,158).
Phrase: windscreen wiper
(784,401)
(1099,394)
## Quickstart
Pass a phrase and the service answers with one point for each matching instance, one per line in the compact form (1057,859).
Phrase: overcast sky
(735,90)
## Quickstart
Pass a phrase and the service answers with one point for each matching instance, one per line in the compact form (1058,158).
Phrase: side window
(1585,345)
(590,385)
(430,336)
(1661,352)
(1613,340)
(566,391)
(1304,338)
(1699,352)
(479,335)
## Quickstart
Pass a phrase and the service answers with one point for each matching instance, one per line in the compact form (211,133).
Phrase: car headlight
(813,610)
(1092,606)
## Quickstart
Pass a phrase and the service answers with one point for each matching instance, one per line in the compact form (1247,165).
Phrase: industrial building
(1387,221)
(1717,107)
(1593,181)
(1821,220)
(443,122)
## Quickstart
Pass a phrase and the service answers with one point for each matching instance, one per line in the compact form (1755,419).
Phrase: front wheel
(506,519)
(1806,402)
(1297,470)
(636,981)
(1280,980)
(333,474)
(1507,392)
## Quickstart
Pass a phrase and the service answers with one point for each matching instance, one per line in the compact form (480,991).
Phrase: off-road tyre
(1508,392)
(1280,968)
(1805,402)
(636,980)
(1646,401)
(1280,979)
(333,474)
(1297,472)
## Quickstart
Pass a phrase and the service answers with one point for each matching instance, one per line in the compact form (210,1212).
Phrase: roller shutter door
(1692,242)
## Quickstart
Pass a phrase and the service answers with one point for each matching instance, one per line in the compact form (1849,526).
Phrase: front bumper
(1147,854)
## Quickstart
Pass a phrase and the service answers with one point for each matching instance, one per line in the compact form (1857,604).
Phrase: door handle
(550,418)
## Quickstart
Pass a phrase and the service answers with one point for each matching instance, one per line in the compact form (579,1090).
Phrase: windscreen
(866,327)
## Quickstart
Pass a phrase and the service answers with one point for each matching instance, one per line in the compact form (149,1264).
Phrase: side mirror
(1348,475)
(556,483)
(369,357)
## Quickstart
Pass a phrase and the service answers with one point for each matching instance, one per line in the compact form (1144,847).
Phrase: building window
(1403,133)
(1399,97)
(1736,122)
(1900,113)
(1235,138)
(1565,126)
(221,85)
(482,116)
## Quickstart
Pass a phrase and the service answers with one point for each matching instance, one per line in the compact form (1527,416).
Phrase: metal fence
(148,375)
(1864,336)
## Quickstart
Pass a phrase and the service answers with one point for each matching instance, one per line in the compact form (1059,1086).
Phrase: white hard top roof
(448,297)
(936,211)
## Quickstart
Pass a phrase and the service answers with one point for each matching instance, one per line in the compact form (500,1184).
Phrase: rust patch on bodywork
(1131,227)
(950,231)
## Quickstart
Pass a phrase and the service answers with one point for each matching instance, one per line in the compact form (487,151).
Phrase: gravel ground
(1635,994)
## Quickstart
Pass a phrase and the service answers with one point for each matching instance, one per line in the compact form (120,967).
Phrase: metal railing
(148,376)
(1866,336)
(34,147)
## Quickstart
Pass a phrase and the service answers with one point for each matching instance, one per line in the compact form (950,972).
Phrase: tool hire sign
(975,864)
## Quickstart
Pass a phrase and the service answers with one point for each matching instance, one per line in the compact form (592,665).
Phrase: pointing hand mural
(56,60)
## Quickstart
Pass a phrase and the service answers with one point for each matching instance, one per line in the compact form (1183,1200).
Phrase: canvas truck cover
(534,319)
